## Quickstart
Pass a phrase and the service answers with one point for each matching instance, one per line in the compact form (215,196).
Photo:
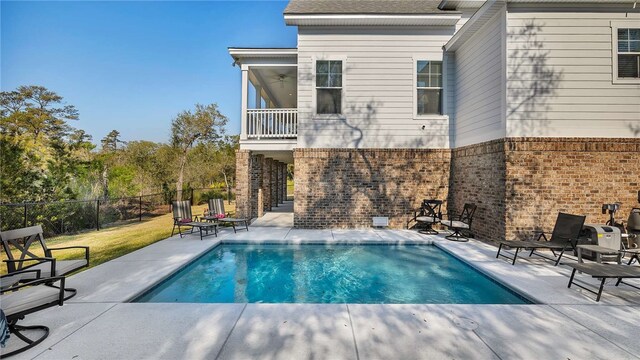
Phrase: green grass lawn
(115,241)
(290,188)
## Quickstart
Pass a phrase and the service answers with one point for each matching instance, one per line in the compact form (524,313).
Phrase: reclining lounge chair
(604,272)
(430,213)
(460,223)
(565,235)
(18,300)
(182,217)
(29,241)
(216,212)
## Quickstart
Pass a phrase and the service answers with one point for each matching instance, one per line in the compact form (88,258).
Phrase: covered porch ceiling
(285,156)
(278,83)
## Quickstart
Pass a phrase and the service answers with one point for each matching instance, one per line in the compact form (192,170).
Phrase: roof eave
(239,54)
(478,19)
(448,19)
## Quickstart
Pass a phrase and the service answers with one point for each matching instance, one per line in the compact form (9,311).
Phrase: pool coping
(104,309)
(426,242)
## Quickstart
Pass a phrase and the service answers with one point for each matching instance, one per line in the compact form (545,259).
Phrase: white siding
(560,77)
(378,82)
(478,97)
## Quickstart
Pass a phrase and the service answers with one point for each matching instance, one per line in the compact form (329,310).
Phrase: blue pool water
(362,274)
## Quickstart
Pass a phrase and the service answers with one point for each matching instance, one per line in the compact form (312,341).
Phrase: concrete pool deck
(99,323)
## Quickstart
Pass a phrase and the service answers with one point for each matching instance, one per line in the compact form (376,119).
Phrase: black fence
(68,217)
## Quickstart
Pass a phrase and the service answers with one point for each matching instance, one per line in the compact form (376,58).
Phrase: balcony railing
(272,123)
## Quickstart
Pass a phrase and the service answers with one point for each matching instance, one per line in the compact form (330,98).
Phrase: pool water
(361,274)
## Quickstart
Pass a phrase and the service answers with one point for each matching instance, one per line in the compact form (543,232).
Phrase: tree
(204,124)
(34,110)
(226,159)
(33,127)
(110,141)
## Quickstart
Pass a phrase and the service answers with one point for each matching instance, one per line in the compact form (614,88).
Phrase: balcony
(272,123)
(269,100)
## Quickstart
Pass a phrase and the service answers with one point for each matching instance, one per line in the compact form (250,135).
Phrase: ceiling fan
(280,78)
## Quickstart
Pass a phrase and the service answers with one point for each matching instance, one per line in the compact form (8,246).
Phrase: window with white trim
(628,53)
(329,86)
(429,87)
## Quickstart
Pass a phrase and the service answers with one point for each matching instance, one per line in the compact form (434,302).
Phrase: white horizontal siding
(378,84)
(560,77)
(478,86)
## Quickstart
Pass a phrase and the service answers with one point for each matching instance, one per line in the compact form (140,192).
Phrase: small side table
(599,251)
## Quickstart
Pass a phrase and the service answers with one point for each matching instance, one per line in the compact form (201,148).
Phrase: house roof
(368,13)
(395,7)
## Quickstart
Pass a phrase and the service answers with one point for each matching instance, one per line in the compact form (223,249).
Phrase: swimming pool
(360,274)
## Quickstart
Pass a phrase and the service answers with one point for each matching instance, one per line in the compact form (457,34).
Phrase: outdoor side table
(599,251)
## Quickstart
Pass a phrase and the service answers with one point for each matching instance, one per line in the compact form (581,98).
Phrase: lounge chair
(26,240)
(216,212)
(565,235)
(18,299)
(430,213)
(604,272)
(182,217)
(459,223)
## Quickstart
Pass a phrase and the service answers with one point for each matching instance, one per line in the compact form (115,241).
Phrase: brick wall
(575,175)
(478,176)
(520,184)
(346,187)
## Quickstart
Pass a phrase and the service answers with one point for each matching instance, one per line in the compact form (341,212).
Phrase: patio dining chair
(429,214)
(24,246)
(182,217)
(459,223)
(19,299)
(216,211)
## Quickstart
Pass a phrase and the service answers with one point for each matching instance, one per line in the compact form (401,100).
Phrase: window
(329,86)
(628,53)
(429,87)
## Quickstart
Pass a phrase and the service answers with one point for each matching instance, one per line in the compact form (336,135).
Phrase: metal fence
(68,217)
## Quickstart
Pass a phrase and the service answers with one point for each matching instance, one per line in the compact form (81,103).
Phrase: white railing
(272,123)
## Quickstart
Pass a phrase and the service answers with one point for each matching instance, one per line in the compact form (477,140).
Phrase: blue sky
(132,66)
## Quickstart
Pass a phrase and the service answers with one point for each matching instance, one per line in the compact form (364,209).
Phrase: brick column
(256,184)
(243,183)
(284,186)
(274,184)
(266,183)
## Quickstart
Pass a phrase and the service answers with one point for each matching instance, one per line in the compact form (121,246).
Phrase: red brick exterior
(343,188)
(260,184)
(478,175)
(575,175)
(518,184)
(243,183)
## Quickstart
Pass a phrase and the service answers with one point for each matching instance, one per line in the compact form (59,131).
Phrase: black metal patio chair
(460,223)
(23,248)
(564,236)
(429,214)
(19,299)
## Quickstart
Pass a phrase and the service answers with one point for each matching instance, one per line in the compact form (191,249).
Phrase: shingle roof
(396,7)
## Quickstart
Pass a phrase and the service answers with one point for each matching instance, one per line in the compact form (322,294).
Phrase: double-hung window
(429,87)
(628,53)
(329,86)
